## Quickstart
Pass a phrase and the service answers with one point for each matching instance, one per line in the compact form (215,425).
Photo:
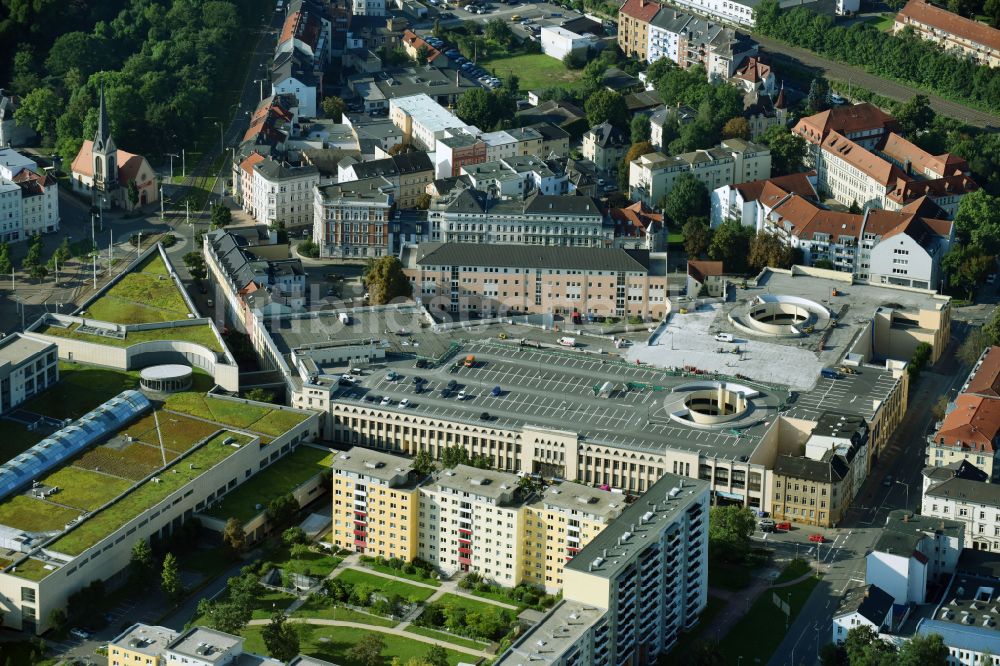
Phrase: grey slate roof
(820,471)
(529,256)
(292,64)
(607,134)
(905,529)
(962,469)
(275,170)
(964,490)
(476,201)
(396,165)
(871,602)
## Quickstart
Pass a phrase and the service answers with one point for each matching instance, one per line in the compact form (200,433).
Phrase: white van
(345,319)
(723,337)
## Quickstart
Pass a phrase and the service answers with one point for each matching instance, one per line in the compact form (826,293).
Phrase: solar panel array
(70,440)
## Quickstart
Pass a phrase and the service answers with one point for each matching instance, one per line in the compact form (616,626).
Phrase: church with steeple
(104,172)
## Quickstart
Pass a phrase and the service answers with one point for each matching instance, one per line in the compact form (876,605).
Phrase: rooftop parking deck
(562,390)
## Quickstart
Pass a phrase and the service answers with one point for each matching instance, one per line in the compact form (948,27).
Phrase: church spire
(102,141)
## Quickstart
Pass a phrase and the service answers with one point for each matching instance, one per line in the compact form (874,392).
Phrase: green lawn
(236,414)
(178,433)
(103,523)
(20,652)
(469,604)
(32,569)
(279,478)
(266,603)
(883,22)
(400,574)
(385,585)
(533,71)
(325,610)
(443,636)
(143,296)
(34,515)
(277,422)
(499,596)
(795,569)
(759,633)
(314,563)
(201,335)
(85,489)
(333,644)
(81,388)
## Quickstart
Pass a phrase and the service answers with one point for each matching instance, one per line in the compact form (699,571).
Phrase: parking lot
(553,388)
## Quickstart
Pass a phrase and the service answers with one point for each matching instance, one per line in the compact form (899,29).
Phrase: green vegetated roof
(32,569)
(145,295)
(256,417)
(103,523)
(199,334)
(277,479)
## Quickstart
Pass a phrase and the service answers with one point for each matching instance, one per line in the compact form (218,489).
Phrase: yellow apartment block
(375,504)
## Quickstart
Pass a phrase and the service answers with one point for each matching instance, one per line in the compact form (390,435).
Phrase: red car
(816,538)
(783,527)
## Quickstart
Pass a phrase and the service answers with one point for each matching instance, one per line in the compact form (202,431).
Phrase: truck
(566,341)
(470,361)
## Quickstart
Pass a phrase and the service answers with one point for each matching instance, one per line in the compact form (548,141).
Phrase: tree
(170,580)
(63,253)
(705,653)
(133,193)
(233,536)
(921,356)
(992,9)
(915,115)
(423,55)
(607,106)
(34,256)
(293,536)
(978,220)
(687,198)
(436,656)
(334,108)
(368,650)
(864,646)
(423,463)
(474,107)
(825,264)
(736,128)
(308,248)
(259,395)
(498,31)
(639,127)
(423,201)
(729,531)
(58,620)
(195,263)
(832,655)
(636,151)
(6,265)
(38,272)
(966,266)
(939,408)
(39,110)
(767,249)
(386,282)
(818,98)
(280,637)
(454,455)
(282,509)
(141,563)
(973,345)
(788,150)
(697,237)
(221,215)
(991,329)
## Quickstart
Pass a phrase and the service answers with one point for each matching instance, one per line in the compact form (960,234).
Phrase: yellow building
(558,524)
(140,645)
(375,504)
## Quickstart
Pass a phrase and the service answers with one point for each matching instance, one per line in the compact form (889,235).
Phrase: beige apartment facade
(607,282)
(971,39)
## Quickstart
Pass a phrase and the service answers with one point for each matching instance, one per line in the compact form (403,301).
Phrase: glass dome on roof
(70,440)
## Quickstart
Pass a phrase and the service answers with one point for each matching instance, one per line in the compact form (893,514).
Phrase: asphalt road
(781,52)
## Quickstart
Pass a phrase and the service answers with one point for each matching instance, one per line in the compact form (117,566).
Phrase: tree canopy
(729,531)
(385,280)
(607,106)
(687,198)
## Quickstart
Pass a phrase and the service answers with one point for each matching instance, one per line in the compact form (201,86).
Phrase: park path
(738,604)
(398,630)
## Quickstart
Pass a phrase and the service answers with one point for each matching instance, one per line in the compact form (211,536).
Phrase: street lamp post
(172,156)
(907,486)
(222,143)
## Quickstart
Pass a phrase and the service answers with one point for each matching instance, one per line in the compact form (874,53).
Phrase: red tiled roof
(795,183)
(303,26)
(974,423)
(33,183)
(804,219)
(845,120)
(247,164)
(753,69)
(700,270)
(885,173)
(128,163)
(635,220)
(953,24)
(940,187)
(901,151)
(986,380)
(416,41)
(641,10)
